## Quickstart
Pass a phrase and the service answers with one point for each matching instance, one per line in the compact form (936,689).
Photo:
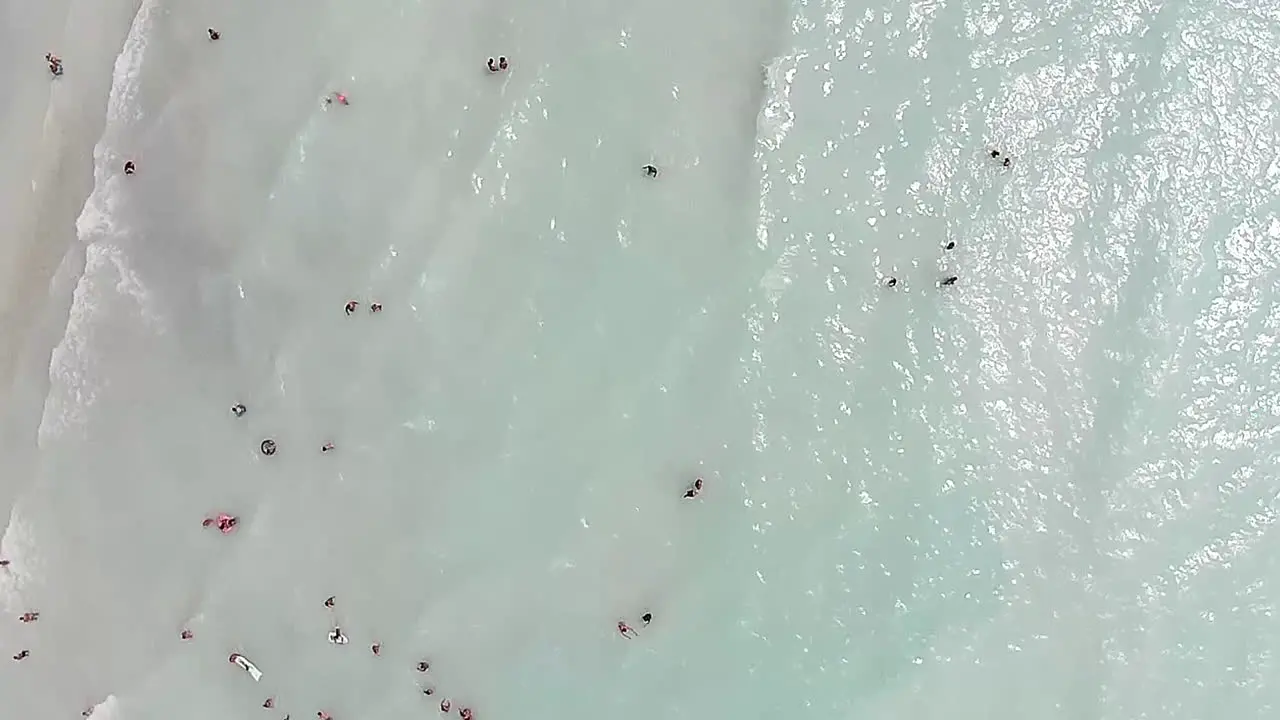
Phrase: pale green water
(1041,493)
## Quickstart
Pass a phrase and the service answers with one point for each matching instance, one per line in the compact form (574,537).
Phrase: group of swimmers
(26,617)
(629,632)
(948,280)
(337,637)
(226,523)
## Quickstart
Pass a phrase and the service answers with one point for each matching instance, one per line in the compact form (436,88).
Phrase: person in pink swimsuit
(225,523)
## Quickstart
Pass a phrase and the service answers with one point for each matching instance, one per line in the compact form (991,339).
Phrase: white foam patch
(99,214)
(74,384)
(124,85)
(108,709)
(18,547)
(73,389)
(776,117)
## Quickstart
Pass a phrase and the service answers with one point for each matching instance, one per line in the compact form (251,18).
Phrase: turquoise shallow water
(1041,492)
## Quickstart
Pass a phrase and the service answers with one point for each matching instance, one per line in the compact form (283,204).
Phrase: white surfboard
(247,666)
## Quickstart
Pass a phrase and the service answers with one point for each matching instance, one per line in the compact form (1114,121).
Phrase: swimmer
(224,522)
(342,99)
(23,655)
(351,306)
(1006,162)
(55,63)
(995,153)
(445,705)
(269,703)
(626,631)
(29,617)
(329,602)
(268,447)
(646,618)
(326,447)
(891,282)
(951,280)
(214,34)
(465,713)
(186,634)
(239,410)
(424,666)
(336,637)
(950,245)
(375,308)
(322,715)
(428,691)
(86,712)
(694,489)
(4,563)
(499,66)
(650,170)
(129,167)
(376,648)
